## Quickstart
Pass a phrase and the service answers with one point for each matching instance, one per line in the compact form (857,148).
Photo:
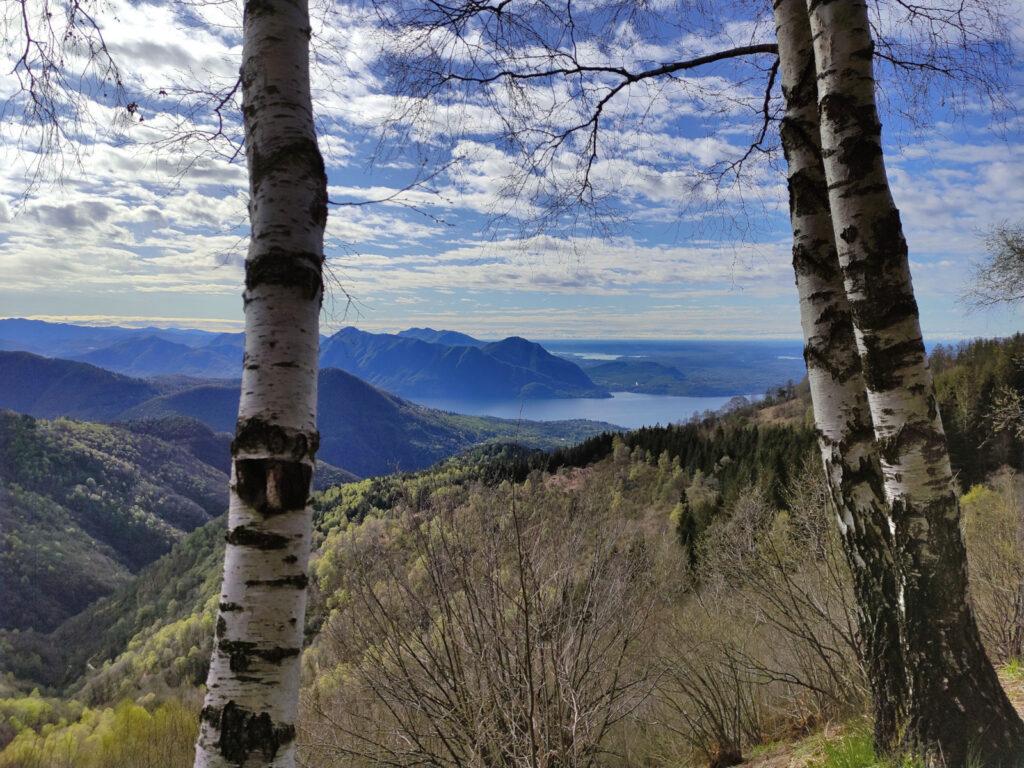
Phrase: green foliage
(33,712)
(970,379)
(1014,670)
(83,505)
(152,634)
(855,749)
(127,736)
(722,456)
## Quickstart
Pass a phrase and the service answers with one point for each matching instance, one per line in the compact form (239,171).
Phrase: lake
(626,409)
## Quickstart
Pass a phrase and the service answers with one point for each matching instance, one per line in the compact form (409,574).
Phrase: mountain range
(363,430)
(412,367)
(418,362)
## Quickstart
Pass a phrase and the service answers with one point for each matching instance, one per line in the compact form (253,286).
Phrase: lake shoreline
(627,410)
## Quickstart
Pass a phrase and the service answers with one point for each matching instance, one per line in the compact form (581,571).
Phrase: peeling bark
(841,414)
(957,709)
(253,685)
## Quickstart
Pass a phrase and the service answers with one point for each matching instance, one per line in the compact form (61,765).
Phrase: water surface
(626,409)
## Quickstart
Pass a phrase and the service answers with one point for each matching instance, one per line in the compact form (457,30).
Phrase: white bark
(838,396)
(252,690)
(956,705)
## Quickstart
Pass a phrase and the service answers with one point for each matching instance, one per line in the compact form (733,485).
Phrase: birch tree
(252,689)
(957,708)
(838,395)
(248,718)
(493,62)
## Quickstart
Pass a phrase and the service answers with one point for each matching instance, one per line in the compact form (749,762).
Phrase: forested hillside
(662,523)
(980,389)
(363,430)
(86,505)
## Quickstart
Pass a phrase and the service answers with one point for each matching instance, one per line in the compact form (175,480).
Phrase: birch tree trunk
(252,690)
(957,708)
(845,431)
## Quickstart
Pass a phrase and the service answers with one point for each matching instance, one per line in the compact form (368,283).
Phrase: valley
(722,509)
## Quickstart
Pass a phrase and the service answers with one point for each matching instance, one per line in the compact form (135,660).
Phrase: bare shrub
(993,520)
(716,704)
(557,623)
(782,587)
(502,631)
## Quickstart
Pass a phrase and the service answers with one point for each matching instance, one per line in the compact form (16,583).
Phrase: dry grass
(789,413)
(810,751)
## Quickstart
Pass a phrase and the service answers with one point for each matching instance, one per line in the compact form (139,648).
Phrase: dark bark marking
(255,8)
(243,733)
(808,194)
(293,582)
(286,268)
(859,155)
(272,487)
(883,366)
(241,652)
(301,155)
(246,536)
(255,434)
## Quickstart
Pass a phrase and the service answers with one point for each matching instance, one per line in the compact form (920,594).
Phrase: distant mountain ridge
(156,356)
(450,338)
(412,367)
(362,429)
(50,387)
(69,339)
(417,362)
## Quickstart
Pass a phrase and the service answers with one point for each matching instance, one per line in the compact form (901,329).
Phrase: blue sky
(126,237)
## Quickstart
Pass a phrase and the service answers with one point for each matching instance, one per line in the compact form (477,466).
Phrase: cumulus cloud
(138,214)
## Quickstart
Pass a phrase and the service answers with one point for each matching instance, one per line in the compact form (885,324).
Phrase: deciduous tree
(956,704)
(252,689)
(838,395)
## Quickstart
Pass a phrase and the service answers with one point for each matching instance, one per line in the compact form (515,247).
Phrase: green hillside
(154,631)
(363,430)
(701,559)
(85,505)
(597,547)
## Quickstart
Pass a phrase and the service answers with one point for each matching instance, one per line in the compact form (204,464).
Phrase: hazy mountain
(368,431)
(551,371)
(362,429)
(45,387)
(155,356)
(688,367)
(449,338)
(69,340)
(215,405)
(411,367)
(417,362)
